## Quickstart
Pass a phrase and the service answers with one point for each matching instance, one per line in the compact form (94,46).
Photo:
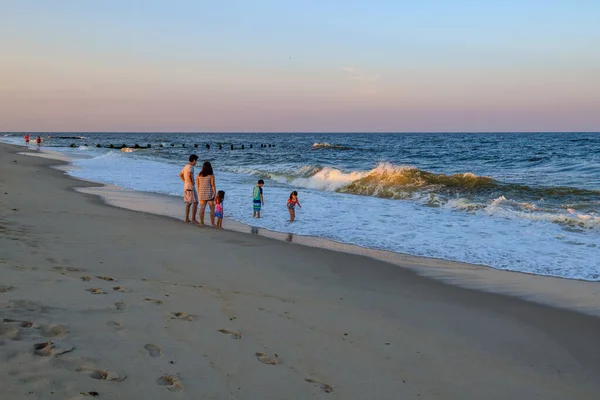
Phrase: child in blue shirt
(257,198)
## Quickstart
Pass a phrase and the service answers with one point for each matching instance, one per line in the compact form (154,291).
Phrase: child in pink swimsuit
(219,208)
(291,205)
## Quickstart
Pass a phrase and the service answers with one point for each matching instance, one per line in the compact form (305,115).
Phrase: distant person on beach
(27,139)
(219,208)
(189,190)
(257,198)
(205,181)
(291,205)
(38,141)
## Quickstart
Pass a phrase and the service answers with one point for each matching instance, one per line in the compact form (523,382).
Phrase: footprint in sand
(153,350)
(106,278)
(23,324)
(120,305)
(155,301)
(107,376)
(119,288)
(326,387)
(183,316)
(265,359)
(95,291)
(86,278)
(234,335)
(49,348)
(171,382)
(4,289)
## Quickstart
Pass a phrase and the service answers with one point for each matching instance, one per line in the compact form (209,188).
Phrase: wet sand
(99,299)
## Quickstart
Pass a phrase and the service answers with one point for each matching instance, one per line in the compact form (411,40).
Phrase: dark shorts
(256,205)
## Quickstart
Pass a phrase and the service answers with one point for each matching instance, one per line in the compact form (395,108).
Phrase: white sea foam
(329,179)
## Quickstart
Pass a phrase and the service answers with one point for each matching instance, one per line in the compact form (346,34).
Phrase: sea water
(526,202)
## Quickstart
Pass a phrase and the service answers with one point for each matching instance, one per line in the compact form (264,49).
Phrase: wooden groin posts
(183,145)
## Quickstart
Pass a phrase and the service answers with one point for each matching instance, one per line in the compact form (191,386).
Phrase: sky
(304,66)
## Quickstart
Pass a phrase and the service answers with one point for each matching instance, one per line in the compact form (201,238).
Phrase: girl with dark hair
(205,183)
(219,208)
(291,205)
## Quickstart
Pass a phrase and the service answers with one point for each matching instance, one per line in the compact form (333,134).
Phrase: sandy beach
(102,301)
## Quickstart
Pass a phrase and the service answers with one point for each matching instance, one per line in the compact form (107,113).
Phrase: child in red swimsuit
(291,205)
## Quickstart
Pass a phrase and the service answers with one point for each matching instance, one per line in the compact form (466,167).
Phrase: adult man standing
(190,197)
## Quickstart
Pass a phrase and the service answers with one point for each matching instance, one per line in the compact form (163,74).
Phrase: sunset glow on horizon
(313,66)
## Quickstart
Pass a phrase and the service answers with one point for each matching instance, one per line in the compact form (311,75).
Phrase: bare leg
(292,214)
(211,205)
(187,213)
(258,214)
(202,210)
(194,210)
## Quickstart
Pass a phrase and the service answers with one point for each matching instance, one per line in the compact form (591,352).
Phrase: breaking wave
(397,182)
(385,180)
(391,181)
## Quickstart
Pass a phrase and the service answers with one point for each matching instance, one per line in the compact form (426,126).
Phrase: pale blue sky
(390,57)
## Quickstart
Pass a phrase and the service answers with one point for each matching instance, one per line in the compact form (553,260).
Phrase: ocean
(527,202)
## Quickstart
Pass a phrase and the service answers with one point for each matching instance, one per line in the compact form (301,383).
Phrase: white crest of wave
(332,179)
(329,179)
(318,145)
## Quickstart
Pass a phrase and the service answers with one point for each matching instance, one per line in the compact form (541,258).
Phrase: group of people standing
(203,191)
(206,194)
(38,140)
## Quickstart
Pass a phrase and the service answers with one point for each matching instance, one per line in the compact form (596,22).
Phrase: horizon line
(294,132)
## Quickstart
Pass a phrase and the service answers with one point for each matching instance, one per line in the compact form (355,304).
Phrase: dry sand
(101,300)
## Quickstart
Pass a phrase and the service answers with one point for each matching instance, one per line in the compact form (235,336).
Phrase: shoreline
(571,294)
(99,299)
